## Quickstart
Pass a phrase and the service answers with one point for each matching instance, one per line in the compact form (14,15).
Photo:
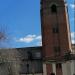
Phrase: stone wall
(8,62)
(11,61)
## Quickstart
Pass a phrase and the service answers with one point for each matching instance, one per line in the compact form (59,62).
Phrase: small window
(57,51)
(30,57)
(54,8)
(37,55)
(55,30)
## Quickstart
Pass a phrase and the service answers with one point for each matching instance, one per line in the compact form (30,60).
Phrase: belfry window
(54,8)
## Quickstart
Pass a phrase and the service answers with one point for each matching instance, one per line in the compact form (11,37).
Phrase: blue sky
(20,20)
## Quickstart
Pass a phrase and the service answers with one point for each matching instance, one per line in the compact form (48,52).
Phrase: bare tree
(3,36)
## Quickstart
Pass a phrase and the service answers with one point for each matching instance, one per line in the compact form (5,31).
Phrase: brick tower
(56,34)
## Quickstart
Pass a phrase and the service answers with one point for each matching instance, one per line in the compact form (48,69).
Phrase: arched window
(54,8)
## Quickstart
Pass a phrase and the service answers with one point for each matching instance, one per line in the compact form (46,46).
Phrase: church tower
(55,34)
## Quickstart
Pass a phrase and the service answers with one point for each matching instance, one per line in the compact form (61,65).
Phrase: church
(54,57)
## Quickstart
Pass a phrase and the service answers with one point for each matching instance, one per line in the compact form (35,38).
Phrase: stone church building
(55,57)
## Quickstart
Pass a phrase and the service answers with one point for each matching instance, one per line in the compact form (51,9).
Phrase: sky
(20,22)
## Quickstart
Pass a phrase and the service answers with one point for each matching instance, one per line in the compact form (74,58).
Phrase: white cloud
(73,37)
(27,39)
(30,38)
(38,37)
(39,43)
(72,6)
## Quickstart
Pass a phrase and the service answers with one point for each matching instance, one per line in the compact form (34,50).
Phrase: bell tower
(55,32)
